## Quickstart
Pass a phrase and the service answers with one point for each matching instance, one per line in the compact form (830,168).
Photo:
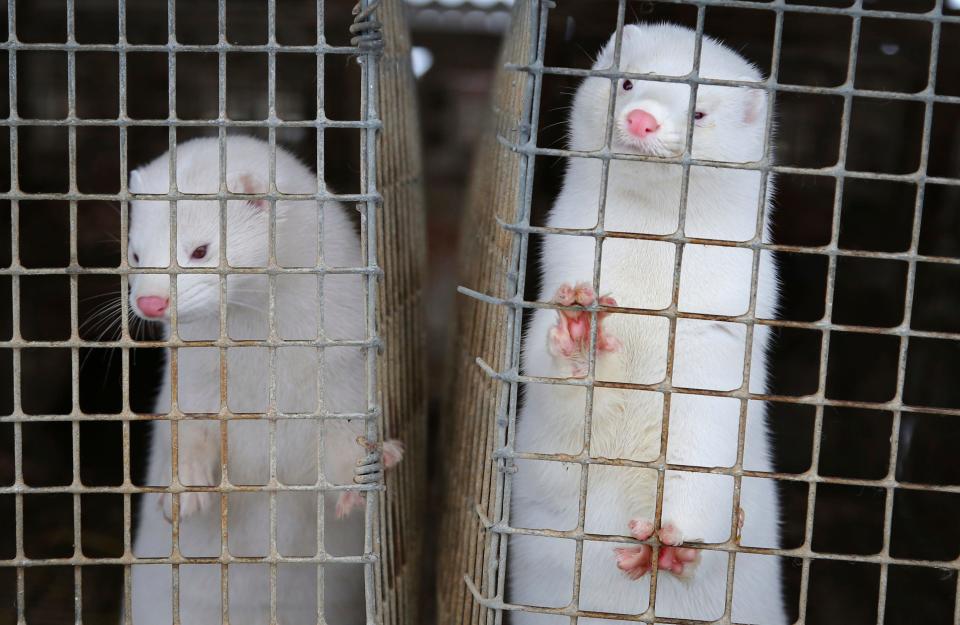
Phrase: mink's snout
(153,306)
(641,123)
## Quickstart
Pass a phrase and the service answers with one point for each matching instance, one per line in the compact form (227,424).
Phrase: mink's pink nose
(641,123)
(153,306)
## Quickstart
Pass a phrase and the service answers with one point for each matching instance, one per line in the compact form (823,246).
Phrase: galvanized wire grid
(488,589)
(369,198)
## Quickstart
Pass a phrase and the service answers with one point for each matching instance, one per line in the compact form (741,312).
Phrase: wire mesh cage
(863,230)
(250,92)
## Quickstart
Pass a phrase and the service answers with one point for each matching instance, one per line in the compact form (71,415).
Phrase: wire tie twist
(504,458)
(366,30)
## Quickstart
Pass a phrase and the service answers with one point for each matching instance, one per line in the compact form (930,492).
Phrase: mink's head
(651,117)
(197,242)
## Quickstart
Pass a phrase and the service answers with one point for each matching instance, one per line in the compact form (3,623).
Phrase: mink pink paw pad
(637,561)
(570,337)
(347,501)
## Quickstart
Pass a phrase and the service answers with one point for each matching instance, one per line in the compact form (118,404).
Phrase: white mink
(298,376)
(651,118)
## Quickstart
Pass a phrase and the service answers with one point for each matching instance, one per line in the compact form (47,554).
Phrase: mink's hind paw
(637,561)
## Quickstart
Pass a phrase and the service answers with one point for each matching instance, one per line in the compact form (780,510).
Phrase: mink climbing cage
(867,237)
(94,90)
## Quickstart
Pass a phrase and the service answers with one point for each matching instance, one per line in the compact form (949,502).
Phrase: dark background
(855,443)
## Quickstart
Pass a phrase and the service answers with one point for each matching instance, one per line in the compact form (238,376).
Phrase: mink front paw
(193,502)
(369,470)
(569,339)
(637,561)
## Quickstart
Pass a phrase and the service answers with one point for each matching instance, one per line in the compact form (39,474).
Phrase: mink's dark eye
(699,115)
(199,253)
(627,85)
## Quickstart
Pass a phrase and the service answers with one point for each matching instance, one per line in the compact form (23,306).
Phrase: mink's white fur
(298,375)
(644,197)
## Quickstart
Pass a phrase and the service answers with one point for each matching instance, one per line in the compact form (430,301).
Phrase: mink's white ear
(136,182)
(754,103)
(247,182)
(605,58)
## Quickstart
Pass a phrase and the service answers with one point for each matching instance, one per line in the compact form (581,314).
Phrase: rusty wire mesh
(401,242)
(499,231)
(389,204)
